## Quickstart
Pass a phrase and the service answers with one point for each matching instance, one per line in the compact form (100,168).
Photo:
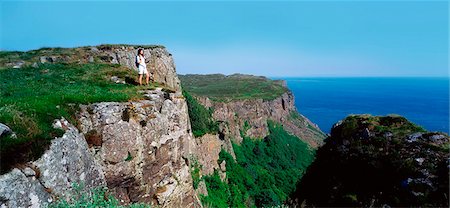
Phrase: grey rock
(94,49)
(6,131)
(67,161)
(420,160)
(388,134)
(117,80)
(365,134)
(46,59)
(18,64)
(28,172)
(437,137)
(414,137)
(17,190)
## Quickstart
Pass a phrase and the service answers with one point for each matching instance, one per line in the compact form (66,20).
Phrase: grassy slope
(234,87)
(31,98)
(200,117)
(264,174)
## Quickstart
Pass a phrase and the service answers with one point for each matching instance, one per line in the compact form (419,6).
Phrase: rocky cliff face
(144,148)
(67,162)
(160,63)
(373,161)
(251,116)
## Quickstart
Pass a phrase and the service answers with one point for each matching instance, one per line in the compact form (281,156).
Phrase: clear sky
(307,38)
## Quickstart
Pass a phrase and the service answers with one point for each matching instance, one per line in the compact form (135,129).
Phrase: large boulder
(67,162)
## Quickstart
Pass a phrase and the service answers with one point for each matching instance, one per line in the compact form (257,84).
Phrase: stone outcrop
(255,113)
(378,161)
(67,162)
(144,148)
(160,63)
(6,131)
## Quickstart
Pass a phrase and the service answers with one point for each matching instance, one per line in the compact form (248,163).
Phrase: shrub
(200,117)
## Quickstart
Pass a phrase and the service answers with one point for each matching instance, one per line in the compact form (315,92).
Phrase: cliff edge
(378,161)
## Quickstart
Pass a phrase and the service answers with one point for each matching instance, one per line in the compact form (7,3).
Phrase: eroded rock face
(40,182)
(144,148)
(234,116)
(160,63)
(208,149)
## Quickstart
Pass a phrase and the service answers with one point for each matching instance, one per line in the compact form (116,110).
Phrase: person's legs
(141,72)
(147,78)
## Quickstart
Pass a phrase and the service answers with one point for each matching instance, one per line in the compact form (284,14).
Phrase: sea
(325,101)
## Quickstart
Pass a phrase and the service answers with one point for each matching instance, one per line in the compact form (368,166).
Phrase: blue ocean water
(424,101)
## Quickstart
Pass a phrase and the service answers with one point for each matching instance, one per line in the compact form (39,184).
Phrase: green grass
(201,119)
(234,87)
(397,125)
(97,197)
(31,98)
(264,174)
(195,171)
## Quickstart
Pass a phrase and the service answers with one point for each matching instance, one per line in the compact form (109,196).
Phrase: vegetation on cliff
(373,161)
(223,88)
(32,97)
(97,197)
(200,117)
(264,173)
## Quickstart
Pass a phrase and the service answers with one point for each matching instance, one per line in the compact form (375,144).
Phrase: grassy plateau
(223,88)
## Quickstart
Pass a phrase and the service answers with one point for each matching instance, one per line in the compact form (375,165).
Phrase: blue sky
(305,38)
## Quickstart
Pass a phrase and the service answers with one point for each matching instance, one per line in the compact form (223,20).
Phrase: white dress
(142,66)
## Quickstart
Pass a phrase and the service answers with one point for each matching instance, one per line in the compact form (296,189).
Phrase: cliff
(143,148)
(377,161)
(253,124)
(135,140)
(139,148)
(252,111)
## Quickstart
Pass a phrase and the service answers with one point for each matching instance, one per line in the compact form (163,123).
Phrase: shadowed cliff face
(376,161)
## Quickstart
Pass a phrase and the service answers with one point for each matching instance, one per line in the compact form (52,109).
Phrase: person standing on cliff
(142,67)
